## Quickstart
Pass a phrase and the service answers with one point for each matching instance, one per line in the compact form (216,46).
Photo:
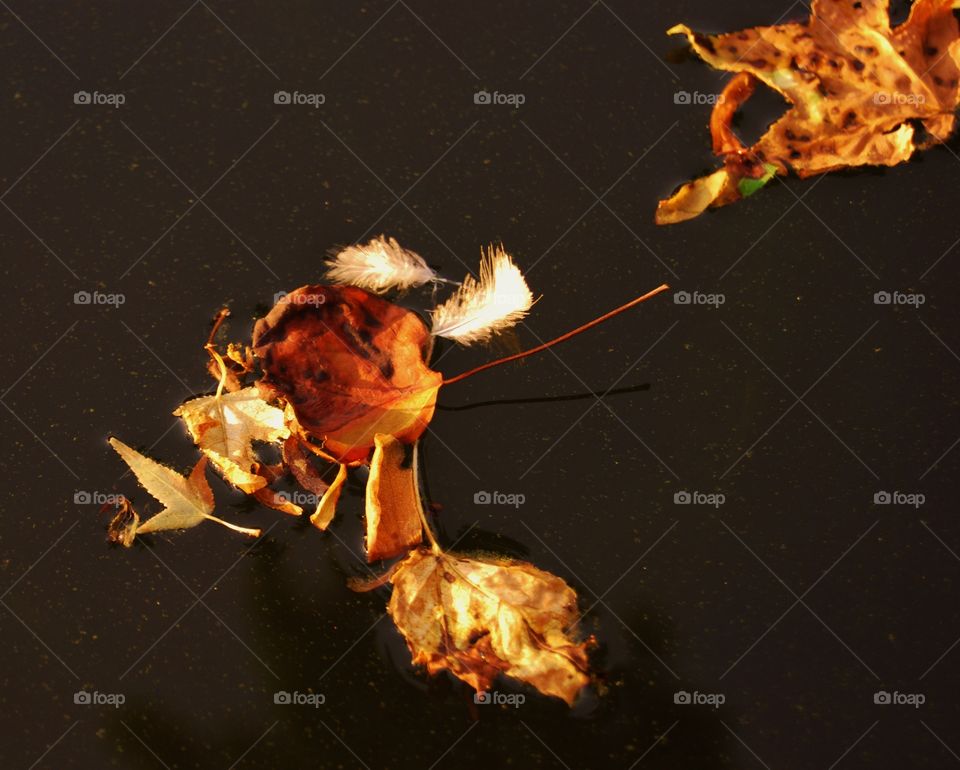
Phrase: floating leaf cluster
(338,377)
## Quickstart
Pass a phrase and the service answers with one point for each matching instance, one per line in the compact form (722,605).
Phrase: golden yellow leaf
(393,510)
(224,428)
(187,500)
(279,501)
(479,617)
(327,506)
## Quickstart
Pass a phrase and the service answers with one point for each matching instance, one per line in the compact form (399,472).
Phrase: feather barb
(482,307)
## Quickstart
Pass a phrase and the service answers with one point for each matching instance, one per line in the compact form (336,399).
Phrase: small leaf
(327,506)
(188,501)
(224,428)
(748,185)
(236,365)
(123,526)
(278,501)
(298,459)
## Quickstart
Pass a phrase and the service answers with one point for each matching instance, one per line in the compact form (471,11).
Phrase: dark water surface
(798,399)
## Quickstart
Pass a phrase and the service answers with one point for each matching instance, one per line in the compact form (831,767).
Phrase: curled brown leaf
(350,365)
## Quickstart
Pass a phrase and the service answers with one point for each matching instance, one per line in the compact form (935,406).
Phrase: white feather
(379,266)
(481,308)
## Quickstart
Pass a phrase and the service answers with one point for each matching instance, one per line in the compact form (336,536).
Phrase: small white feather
(481,308)
(379,266)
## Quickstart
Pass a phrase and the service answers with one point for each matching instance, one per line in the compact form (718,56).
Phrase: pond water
(752,627)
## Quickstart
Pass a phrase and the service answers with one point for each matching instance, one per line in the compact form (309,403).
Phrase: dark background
(797,599)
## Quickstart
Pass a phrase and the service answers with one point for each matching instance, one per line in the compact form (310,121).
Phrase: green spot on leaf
(748,186)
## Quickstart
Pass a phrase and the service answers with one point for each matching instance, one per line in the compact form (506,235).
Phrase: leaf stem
(557,340)
(243,530)
(211,348)
(221,316)
(434,545)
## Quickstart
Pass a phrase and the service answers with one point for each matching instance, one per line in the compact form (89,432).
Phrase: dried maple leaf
(856,85)
(350,365)
(393,509)
(224,427)
(481,617)
(188,500)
